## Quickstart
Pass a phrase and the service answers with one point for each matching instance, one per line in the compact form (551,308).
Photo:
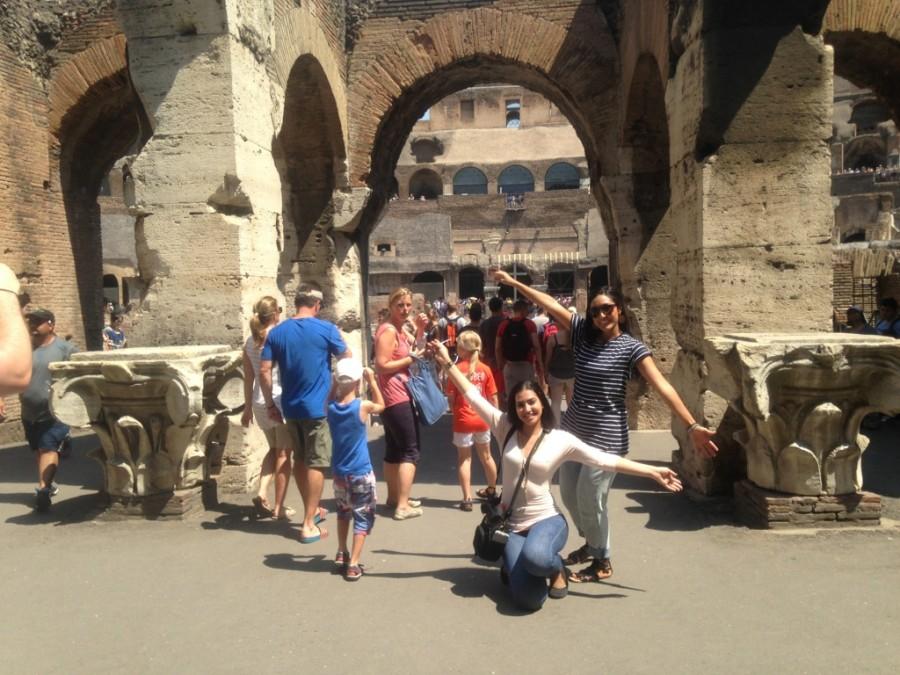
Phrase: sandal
(597,571)
(465,505)
(261,509)
(578,556)
(353,572)
(321,533)
(340,561)
(486,493)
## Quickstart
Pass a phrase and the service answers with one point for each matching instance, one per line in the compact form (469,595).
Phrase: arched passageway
(430,284)
(309,154)
(94,129)
(471,283)
(426,184)
(518,272)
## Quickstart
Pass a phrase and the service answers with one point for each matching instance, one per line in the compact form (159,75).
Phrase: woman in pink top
(538,529)
(401,430)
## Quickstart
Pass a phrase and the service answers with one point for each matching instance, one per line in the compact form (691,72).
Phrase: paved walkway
(692,592)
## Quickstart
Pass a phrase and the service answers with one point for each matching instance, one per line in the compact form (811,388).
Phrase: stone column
(750,109)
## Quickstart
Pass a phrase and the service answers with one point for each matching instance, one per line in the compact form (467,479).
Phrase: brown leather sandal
(597,571)
(578,556)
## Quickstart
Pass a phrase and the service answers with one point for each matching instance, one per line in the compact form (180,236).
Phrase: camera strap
(523,475)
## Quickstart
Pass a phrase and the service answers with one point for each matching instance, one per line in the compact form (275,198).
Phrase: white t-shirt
(259,402)
(534,502)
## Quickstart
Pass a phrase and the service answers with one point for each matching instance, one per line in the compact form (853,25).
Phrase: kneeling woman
(538,529)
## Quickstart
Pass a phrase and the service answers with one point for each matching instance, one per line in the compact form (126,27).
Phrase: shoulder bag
(428,399)
(493,530)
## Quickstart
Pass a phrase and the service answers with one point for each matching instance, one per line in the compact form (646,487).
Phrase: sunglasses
(597,310)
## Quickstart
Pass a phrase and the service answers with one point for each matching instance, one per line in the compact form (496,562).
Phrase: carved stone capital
(152,410)
(802,398)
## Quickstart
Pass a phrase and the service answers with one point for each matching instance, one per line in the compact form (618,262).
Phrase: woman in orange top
(468,428)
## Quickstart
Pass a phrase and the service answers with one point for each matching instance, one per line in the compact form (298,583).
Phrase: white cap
(348,370)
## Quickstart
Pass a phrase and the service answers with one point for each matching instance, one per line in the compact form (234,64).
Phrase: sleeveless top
(393,385)
(350,449)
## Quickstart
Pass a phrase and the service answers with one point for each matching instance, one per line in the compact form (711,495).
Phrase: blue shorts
(355,495)
(46,434)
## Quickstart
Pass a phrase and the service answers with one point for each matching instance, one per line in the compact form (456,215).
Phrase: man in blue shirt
(302,347)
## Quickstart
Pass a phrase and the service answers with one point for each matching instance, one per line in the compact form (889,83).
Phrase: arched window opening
(469,181)
(561,282)
(513,113)
(427,184)
(471,283)
(857,236)
(867,115)
(599,277)
(111,289)
(562,176)
(430,284)
(519,274)
(515,179)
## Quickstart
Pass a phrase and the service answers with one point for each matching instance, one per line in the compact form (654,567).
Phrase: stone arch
(562,176)
(426,183)
(95,118)
(865,35)
(470,180)
(403,73)
(515,179)
(309,153)
(865,152)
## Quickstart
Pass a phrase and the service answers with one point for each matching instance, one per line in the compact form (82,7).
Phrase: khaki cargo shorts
(312,442)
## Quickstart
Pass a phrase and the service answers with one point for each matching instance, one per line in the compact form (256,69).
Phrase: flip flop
(321,533)
(260,509)
(321,513)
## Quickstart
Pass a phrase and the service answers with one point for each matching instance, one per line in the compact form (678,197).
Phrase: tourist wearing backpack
(517,348)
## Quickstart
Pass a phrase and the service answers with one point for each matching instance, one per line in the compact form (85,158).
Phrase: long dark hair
(592,333)
(548,419)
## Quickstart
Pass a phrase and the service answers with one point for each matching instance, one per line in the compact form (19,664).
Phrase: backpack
(451,334)
(515,341)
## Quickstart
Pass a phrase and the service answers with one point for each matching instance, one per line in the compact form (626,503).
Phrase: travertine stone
(154,411)
(802,398)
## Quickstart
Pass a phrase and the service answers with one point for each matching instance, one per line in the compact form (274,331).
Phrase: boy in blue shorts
(354,480)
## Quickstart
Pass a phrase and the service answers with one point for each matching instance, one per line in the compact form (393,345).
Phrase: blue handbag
(428,399)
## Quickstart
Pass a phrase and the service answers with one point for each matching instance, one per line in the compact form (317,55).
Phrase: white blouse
(534,502)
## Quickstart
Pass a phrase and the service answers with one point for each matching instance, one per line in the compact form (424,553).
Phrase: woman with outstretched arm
(606,357)
(538,529)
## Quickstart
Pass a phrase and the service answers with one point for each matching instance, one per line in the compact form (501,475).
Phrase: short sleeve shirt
(597,414)
(35,399)
(465,419)
(303,348)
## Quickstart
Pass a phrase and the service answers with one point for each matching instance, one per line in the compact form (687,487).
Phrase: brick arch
(865,35)
(298,35)
(575,67)
(95,117)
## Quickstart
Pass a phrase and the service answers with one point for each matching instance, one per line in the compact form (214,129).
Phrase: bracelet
(693,426)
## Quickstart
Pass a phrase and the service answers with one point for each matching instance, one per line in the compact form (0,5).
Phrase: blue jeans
(584,492)
(532,557)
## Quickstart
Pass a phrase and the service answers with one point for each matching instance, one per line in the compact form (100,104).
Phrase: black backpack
(515,341)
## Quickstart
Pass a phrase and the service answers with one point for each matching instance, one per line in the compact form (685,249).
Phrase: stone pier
(802,399)
(159,415)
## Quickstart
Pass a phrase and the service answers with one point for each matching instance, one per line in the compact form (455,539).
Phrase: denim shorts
(46,435)
(355,497)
